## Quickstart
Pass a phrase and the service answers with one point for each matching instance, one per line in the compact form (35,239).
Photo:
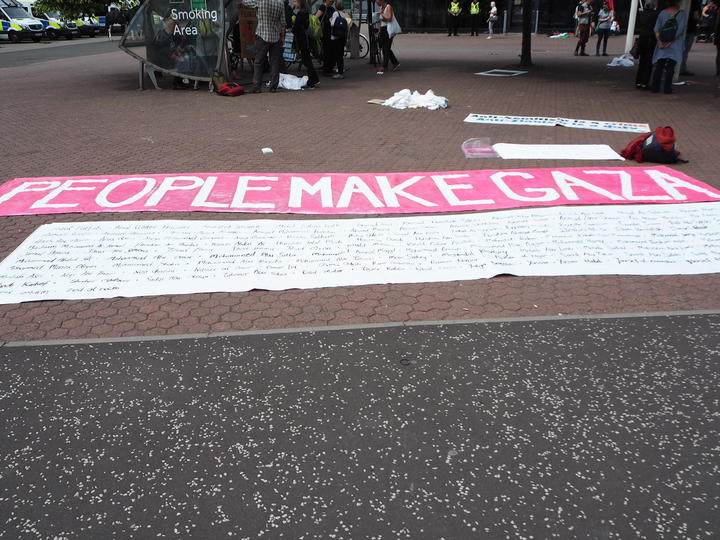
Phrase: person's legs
(327,56)
(276,50)
(689,42)
(584,38)
(669,74)
(261,50)
(606,35)
(306,59)
(339,45)
(490,29)
(385,43)
(389,54)
(646,47)
(599,39)
(657,75)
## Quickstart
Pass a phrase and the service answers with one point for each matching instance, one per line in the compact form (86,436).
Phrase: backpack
(669,30)
(658,146)
(315,29)
(230,89)
(340,27)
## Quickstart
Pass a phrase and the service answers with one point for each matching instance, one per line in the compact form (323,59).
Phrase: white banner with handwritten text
(139,258)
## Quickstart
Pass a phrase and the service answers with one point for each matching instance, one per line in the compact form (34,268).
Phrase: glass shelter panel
(180,37)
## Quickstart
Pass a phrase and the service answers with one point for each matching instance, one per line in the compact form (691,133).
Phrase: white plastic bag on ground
(404,99)
(625,60)
(291,82)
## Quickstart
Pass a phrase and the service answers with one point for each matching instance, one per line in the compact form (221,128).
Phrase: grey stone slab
(604,428)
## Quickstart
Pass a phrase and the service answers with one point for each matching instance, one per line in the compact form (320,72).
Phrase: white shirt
(383,22)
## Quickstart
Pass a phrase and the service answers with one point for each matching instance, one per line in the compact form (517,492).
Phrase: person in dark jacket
(646,44)
(325,12)
(300,29)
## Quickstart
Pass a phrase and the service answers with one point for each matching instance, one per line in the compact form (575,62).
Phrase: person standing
(268,40)
(646,44)
(475,18)
(300,29)
(492,18)
(387,14)
(707,21)
(584,13)
(338,39)
(669,29)
(325,13)
(693,24)
(454,11)
(605,19)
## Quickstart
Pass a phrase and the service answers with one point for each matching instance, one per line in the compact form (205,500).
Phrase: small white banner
(595,152)
(627,127)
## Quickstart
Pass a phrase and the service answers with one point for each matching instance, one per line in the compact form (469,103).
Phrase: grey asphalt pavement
(580,428)
(17,55)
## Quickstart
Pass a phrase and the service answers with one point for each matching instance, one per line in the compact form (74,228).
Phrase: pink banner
(343,193)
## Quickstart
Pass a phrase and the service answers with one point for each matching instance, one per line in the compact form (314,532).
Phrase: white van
(17,24)
(53,23)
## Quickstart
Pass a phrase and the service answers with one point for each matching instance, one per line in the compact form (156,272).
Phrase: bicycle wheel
(364,46)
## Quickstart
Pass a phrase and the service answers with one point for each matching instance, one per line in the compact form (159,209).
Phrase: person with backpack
(669,29)
(325,13)
(301,31)
(387,16)
(583,13)
(646,44)
(604,22)
(338,38)
(475,18)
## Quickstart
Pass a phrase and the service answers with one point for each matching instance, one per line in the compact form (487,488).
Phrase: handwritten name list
(139,258)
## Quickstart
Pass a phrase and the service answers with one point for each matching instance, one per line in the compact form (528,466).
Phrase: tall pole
(526,51)
(630,36)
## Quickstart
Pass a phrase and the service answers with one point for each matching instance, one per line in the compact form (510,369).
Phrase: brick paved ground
(84,116)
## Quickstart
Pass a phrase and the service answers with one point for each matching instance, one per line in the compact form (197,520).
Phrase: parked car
(17,24)
(89,26)
(55,25)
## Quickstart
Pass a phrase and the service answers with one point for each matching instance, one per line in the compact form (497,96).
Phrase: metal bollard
(537,20)
(505,21)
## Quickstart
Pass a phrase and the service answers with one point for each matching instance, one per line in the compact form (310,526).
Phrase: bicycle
(364,47)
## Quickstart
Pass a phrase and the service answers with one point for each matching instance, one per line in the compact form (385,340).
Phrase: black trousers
(327,55)
(603,34)
(453,24)
(646,48)
(303,48)
(337,55)
(263,49)
(475,25)
(386,44)
(666,66)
